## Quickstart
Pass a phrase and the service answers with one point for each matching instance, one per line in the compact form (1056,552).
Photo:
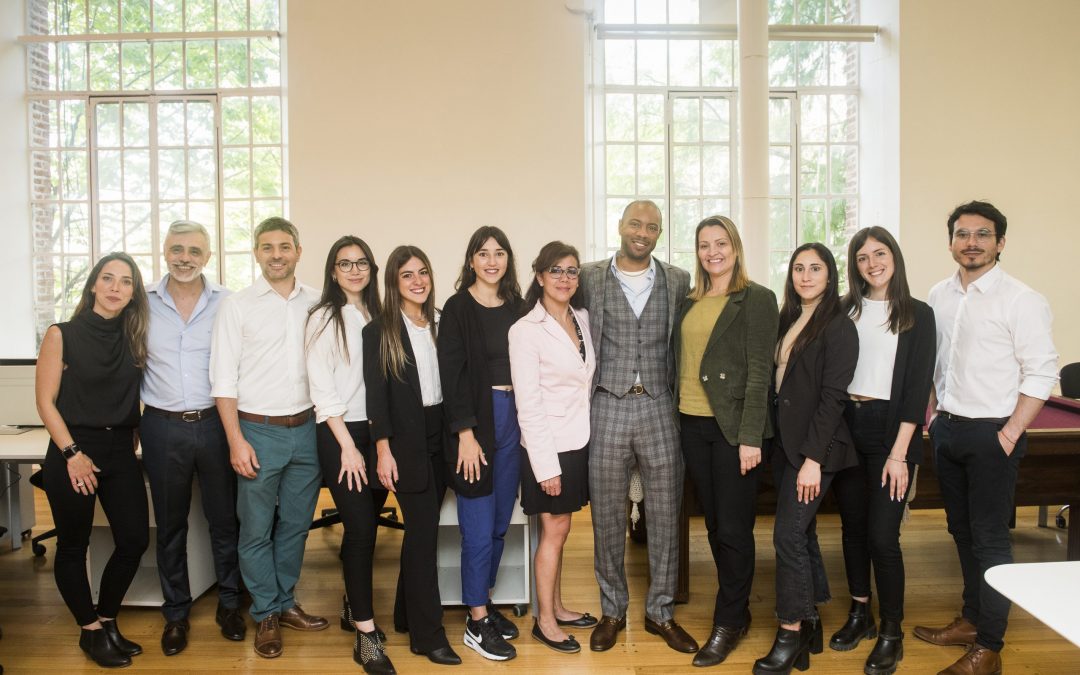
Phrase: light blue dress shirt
(637,292)
(177,374)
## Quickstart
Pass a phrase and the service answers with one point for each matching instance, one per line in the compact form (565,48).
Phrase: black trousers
(175,453)
(870,519)
(728,500)
(978,486)
(359,511)
(123,498)
(418,596)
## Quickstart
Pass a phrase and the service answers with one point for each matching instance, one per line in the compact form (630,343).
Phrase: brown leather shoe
(959,633)
(606,632)
(673,634)
(268,638)
(298,619)
(978,661)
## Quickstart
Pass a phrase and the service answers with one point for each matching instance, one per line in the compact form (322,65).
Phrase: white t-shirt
(877,352)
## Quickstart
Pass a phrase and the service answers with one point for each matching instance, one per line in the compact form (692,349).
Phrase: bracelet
(1002,432)
(893,459)
(69,452)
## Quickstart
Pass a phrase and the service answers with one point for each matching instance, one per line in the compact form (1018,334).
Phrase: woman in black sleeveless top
(88,375)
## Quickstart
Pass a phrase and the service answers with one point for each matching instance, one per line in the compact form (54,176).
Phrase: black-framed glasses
(557,272)
(362,265)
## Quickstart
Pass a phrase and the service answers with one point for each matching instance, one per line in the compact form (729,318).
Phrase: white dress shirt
(257,355)
(336,384)
(994,342)
(427,362)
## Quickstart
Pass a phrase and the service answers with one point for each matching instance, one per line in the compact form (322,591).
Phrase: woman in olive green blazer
(724,338)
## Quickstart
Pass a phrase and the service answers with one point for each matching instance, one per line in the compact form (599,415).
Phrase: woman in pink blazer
(551,364)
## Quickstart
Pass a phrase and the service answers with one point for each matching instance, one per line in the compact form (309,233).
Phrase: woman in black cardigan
(404,407)
(485,441)
(816,357)
(885,412)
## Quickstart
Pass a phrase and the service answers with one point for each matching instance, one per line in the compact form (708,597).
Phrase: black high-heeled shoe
(126,646)
(99,647)
(814,634)
(790,649)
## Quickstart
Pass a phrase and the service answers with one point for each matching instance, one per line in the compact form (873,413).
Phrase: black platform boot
(99,647)
(790,649)
(889,650)
(859,625)
(812,628)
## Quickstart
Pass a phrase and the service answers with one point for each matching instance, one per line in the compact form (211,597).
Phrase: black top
(913,374)
(495,325)
(99,386)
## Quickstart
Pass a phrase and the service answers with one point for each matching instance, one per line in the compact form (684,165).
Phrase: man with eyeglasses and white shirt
(259,380)
(996,366)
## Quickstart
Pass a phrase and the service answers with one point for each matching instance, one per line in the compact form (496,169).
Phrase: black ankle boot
(889,650)
(812,628)
(790,649)
(126,646)
(370,652)
(347,620)
(859,625)
(100,648)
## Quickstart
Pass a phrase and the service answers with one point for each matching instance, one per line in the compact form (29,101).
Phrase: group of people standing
(599,370)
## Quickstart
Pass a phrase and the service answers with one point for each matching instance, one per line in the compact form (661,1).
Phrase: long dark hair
(136,313)
(391,348)
(333,298)
(828,308)
(901,306)
(551,253)
(509,289)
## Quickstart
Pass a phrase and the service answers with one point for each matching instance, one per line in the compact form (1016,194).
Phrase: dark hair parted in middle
(901,307)
(551,253)
(826,309)
(509,290)
(333,298)
(391,348)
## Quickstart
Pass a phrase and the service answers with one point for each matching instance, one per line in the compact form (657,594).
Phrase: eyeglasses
(361,265)
(557,272)
(982,236)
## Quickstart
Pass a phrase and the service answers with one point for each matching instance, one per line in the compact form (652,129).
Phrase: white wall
(417,122)
(17,337)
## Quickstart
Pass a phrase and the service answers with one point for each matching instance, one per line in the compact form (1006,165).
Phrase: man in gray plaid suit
(632,300)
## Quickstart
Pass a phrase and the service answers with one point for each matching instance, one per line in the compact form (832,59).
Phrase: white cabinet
(513,583)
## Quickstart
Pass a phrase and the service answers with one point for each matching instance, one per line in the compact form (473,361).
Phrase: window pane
(779,120)
(715,206)
(843,64)
(233,63)
(265,63)
(200,64)
(104,16)
(652,62)
(264,15)
(842,11)
(778,264)
(76,229)
(266,170)
(170,123)
(841,225)
(202,174)
(73,124)
(686,169)
(135,16)
(136,124)
(716,170)
(619,61)
(619,117)
(111,227)
(780,171)
(782,11)
(232,15)
(234,120)
(104,66)
(73,174)
(107,123)
(780,223)
(620,169)
(811,11)
(812,170)
(238,225)
(813,122)
(781,64)
(685,122)
(136,174)
(137,227)
(239,270)
(168,16)
(650,170)
(683,11)
(109,183)
(136,65)
(651,11)
(813,220)
(715,120)
(685,216)
(72,20)
(718,59)
(685,63)
(619,11)
(266,119)
(843,117)
(651,124)
(75,270)
(843,169)
(200,123)
(72,66)
(237,172)
(168,65)
(261,209)
(813,71)
(614,213)
(200,15)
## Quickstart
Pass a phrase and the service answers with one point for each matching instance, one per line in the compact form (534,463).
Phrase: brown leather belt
(184,415)
(277,420)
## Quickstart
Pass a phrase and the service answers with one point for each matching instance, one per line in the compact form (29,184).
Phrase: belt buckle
(191,415)
(637,389)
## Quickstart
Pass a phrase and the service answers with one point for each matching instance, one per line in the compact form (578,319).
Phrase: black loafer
(586,620)
(233,625)
(567,646)
(174,637)
(443,656)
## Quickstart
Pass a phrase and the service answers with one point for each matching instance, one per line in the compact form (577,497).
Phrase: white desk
(145,589)
(1049,591)
(16,449)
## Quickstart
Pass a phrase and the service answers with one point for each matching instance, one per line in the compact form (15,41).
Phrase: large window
(667,98)
(143,112)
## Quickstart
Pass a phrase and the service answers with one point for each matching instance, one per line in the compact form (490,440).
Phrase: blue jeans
(483,521)
(174,453)
(271,553)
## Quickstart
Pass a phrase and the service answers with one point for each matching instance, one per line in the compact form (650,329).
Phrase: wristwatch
(70,451)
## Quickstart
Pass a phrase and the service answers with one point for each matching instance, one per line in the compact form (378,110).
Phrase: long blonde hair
(392,356)
(136,313)
(739,278)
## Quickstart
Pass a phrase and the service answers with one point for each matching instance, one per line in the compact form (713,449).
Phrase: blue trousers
(483,521)
(271,553)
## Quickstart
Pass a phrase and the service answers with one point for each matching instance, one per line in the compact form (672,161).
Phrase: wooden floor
(39,634)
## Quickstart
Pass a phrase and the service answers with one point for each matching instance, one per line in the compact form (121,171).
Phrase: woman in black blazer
(485,441)
(885,412)
(816,357)
(724,337)
(404,406)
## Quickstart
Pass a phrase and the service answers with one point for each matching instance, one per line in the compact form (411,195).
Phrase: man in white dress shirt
(259,382)
(996,366)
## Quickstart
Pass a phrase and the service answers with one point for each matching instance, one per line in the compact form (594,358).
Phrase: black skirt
(575,485)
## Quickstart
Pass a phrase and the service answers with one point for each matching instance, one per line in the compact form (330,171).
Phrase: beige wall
(990,108)
(417,122)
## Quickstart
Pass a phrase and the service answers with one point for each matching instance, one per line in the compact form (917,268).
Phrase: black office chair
(35,543)
(1070,388)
